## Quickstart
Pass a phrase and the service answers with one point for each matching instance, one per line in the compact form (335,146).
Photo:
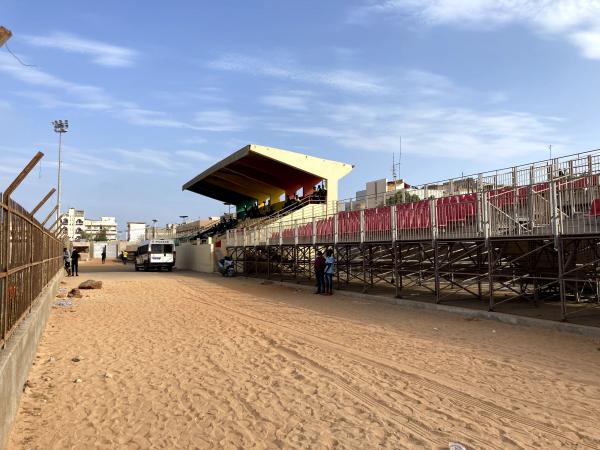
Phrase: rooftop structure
(267,175)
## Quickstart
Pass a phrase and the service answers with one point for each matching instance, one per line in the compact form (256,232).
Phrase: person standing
(75,262)
(329,270)
(320,272)
(124,257)
(67,260)
(104,254)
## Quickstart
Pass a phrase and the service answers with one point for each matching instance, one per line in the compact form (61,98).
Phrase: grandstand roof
(255,172)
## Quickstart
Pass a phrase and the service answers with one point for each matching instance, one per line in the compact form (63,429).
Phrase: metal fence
(30,256)
(548,198)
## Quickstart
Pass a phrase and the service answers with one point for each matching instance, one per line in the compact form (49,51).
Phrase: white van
(155,254)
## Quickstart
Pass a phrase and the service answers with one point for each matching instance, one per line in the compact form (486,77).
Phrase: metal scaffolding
(529,232)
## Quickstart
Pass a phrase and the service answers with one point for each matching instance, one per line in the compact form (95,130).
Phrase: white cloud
(194,140)
(101,53)
(50,101)
(194,155)
(82,95)
(146,117)
(431,130)
(588,42)
(165,161)
(577,20)
(344,80)
(291,102)
(148,157)
(219,120)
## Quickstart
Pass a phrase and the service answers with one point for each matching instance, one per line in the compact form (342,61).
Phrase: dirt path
(176,360)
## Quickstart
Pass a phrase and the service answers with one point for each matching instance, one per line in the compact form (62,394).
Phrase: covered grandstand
(266,176)
(527,233)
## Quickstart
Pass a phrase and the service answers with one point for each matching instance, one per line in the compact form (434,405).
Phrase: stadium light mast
(183,218)
(60,127)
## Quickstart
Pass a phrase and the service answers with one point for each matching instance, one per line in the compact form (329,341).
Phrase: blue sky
(155,92)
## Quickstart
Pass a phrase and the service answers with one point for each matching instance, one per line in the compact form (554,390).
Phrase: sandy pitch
(187,361)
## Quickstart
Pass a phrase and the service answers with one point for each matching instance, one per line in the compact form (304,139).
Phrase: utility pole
(400,160)
(60,127)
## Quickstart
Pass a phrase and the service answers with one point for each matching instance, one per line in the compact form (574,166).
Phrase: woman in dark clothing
(320,272)
(75,262)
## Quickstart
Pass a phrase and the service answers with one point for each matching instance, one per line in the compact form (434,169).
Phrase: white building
(136,231)
(75,224)
(108,224)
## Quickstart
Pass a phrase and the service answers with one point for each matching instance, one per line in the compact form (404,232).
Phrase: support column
(364,267)
(561,280)
(396,271)
(436,269)
(491,262)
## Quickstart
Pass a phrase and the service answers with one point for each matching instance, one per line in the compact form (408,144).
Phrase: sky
(156,92)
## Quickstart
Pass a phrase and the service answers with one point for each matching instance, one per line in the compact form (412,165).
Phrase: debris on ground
(472,319)
(456,446)
(108,375)
(61,293)
(76,358)
(91,284)
(76,293)
(64,304)
(77,380)
(28,385)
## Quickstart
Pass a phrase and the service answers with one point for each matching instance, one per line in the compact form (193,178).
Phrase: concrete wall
(112,249)
(199,258)
(18,355)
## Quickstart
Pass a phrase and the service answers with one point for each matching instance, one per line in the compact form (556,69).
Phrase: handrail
(308,200)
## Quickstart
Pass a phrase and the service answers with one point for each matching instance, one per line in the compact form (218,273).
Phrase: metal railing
(30,256)
(548,198)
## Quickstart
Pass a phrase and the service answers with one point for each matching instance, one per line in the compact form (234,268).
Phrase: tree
(85,236)
(101,236)
(402,197)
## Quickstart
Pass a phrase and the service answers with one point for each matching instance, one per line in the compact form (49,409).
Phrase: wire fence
(30,256)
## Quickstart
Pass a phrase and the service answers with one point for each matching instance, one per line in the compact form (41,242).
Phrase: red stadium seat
(594,208)
(441,212)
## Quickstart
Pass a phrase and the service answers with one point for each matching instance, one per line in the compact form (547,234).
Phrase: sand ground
(181,360)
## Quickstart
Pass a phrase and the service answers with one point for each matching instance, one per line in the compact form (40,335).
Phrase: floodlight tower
(60,127)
